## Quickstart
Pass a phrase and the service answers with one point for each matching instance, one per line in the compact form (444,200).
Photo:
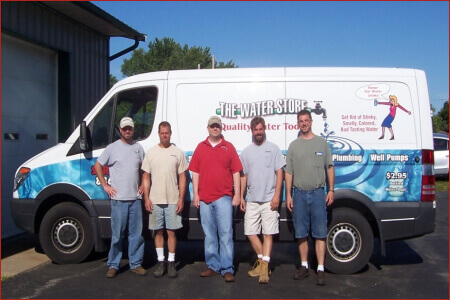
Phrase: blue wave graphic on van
(79,173)
(381,175)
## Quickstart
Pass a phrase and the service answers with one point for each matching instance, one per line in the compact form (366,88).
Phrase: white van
(384,185)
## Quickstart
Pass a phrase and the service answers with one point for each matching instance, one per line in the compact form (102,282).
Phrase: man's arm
(146,183)
(330,177)
(181,190)
(279,183)
(101,177)
(288,181)
(195,179)
(243,187)
(237,189)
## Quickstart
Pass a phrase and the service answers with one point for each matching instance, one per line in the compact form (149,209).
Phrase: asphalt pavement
(417,268)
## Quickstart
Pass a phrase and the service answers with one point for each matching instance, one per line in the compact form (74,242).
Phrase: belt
(308,191)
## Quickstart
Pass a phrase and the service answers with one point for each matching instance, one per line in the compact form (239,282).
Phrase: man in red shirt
(215,167)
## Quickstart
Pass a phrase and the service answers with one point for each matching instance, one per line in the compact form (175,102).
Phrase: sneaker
(264,272)
(139,271)
(160,269)
(111,273)
(303,272)
(320,278)
(256,268)
(171,269)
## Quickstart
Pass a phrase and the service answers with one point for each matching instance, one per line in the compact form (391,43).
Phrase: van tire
(66,234)
(349,242)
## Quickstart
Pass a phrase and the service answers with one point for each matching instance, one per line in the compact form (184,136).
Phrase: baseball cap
(215,120)
(126,121)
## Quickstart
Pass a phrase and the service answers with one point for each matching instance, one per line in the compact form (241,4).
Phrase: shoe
(171,270)
(320,278)
(208,273)
(139,271)
(264,272)
(381,137)
(229,277)
(160,269)
(111,273)
(256,268)
(303,272)
(392,138)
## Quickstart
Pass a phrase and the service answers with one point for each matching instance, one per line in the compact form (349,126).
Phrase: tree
(112,80)
(166,54)
(440,120)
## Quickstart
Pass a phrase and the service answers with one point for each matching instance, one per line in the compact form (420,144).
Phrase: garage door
(28,111)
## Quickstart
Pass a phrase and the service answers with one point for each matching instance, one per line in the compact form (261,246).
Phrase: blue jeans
(217,224)
(123,214)
(310,210)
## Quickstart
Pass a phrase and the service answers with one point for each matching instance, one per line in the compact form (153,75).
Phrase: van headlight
(21,175)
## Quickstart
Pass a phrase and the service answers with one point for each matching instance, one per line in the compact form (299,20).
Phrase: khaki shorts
(258,215)
(164,216)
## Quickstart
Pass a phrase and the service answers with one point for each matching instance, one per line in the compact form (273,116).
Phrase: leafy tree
(440,120)
(166,54)
(112,80)
(443,115)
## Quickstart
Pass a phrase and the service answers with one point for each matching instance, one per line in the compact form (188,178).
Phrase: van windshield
(138,104)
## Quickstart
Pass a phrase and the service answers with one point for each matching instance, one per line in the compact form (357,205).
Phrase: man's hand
(289,203)
(196,201)
(110,190)
(243,205)
(275,203)
(180,206)
(236,200)
(148,205)
(330,198)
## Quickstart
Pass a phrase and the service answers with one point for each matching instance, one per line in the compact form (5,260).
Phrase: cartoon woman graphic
(392,110)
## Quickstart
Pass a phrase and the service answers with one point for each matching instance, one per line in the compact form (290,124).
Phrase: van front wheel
(66,234)
(349,242)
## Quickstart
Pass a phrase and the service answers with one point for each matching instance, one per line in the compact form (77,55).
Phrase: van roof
(273,72)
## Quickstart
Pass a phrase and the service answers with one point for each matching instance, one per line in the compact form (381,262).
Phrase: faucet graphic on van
(318,110)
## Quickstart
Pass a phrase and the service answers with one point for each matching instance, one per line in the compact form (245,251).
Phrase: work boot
(301,273)
(264,272)
(111,273)
(256,268)
(208,273)
(160,269)
(171,269)
(320,278)
(139,271)
(229,277)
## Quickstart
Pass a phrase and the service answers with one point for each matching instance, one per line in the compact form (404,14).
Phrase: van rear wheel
(349,242)
(66,234)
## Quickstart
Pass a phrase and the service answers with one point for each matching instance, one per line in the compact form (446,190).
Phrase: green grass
(441,185)
(6,277)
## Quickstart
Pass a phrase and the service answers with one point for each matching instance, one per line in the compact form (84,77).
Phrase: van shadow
(189,252)
(397,253)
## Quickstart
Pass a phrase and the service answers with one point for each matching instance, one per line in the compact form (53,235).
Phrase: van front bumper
(23,212)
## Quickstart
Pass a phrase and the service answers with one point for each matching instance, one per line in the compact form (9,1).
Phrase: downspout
(125,51)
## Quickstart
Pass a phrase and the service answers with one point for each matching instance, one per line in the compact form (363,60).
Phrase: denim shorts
(164,214)
(310,212)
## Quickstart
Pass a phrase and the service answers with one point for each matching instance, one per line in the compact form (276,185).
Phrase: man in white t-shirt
(164,183)
(263,175)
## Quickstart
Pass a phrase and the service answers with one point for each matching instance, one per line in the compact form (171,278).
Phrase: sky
(399,34)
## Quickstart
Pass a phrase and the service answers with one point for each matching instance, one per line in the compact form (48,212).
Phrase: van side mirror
(85,137)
